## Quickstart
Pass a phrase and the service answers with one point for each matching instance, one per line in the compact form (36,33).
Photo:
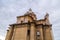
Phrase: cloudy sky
(10,9)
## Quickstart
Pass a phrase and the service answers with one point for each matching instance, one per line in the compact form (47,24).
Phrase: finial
(47,14)
(30,9)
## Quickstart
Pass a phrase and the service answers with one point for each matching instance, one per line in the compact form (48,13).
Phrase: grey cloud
(9,9)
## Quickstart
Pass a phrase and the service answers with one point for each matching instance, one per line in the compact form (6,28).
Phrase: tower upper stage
(29,16)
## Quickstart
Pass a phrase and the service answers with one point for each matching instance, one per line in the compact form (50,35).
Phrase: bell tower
(28,27)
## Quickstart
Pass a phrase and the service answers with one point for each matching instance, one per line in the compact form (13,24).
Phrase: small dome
(47,15)
(31,13)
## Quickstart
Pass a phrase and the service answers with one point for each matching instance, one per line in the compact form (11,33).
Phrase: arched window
(28,32)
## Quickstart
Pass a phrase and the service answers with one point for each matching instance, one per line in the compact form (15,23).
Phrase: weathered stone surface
(27,26)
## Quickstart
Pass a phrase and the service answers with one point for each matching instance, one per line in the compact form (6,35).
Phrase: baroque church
(28,27)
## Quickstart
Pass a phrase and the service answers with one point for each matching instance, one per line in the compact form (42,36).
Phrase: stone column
(9,33)
(41,32)
(47,33)
(32,33)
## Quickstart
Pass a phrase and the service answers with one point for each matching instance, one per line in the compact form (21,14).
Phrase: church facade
(28,27)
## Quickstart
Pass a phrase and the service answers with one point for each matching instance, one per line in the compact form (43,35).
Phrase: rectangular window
(38,35)
(28,32)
